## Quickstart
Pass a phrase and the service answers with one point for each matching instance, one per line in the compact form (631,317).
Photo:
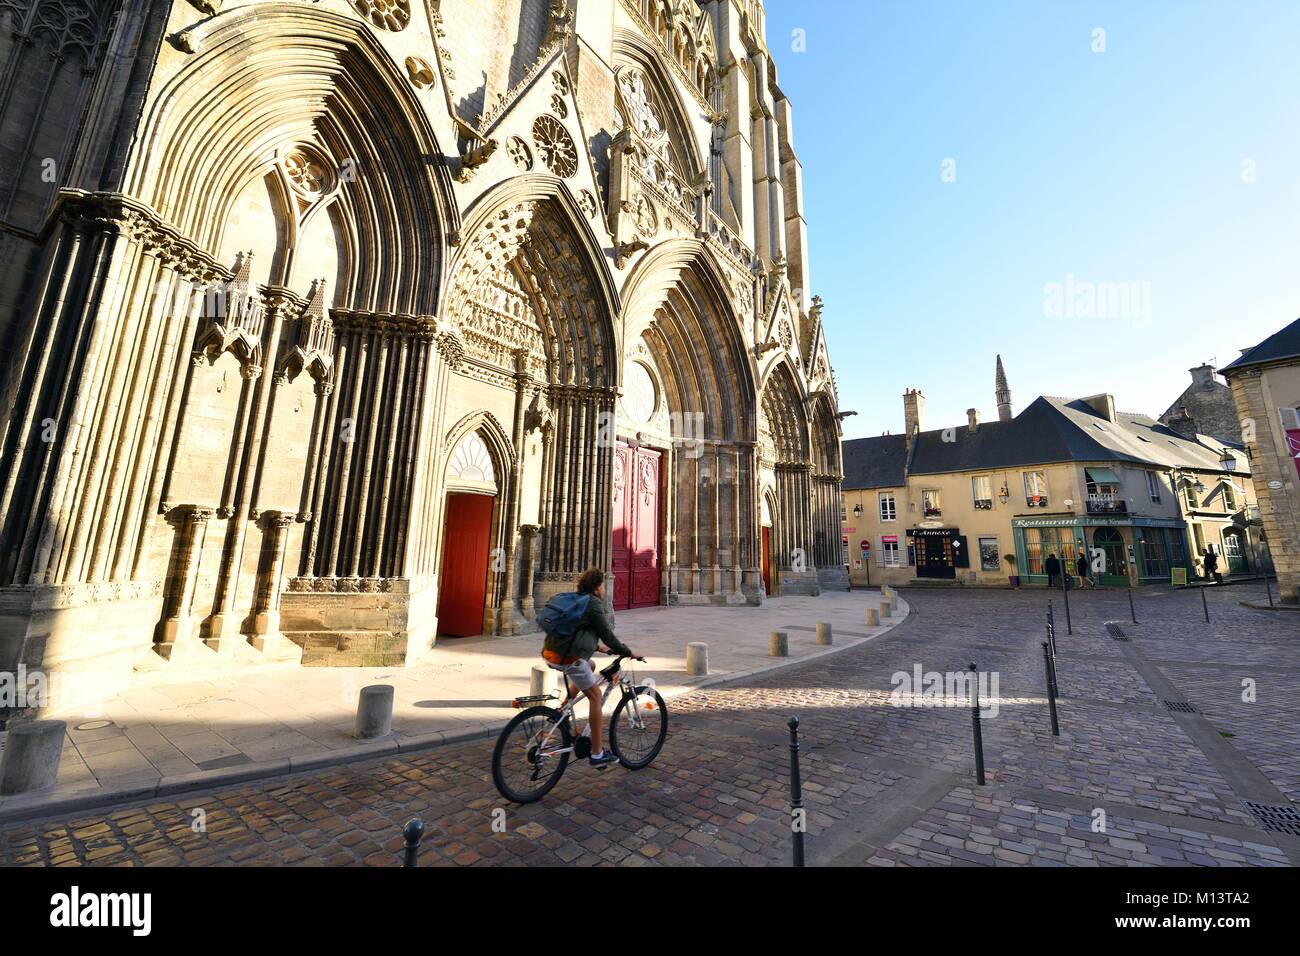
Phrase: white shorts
(580,673)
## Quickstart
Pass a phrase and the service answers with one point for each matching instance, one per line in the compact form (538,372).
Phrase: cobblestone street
(884,785)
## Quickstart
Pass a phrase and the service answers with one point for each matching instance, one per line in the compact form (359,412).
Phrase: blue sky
(1125,167)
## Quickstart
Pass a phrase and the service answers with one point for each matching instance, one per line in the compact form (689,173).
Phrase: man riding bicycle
(571,656)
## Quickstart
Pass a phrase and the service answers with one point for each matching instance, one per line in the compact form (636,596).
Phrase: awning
(1101,476)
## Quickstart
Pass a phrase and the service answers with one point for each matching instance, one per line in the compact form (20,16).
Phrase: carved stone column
(527,535)
(176,640)
(267,636)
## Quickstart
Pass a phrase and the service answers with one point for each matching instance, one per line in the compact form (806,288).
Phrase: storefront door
(934,557)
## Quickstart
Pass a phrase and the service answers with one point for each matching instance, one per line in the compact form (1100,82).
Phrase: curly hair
(591,579)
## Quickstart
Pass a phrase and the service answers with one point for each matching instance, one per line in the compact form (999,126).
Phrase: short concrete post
(31,757)
(375,711)
(697,658)
(779,644)
(884,610)
(823,632)
(541,681)
(873,617)
(893,600)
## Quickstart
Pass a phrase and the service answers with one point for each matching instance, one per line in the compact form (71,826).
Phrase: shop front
(1121,550)
(939,552)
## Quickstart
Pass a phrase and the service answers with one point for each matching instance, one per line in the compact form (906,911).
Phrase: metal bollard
(1131,612)
(796,794)
(1205,605)
(1065,594)
(414,833)
(1051,688)
(975,720)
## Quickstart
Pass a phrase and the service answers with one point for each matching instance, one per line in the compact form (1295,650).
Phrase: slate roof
(875,462)
(1049,430)
(1277,347)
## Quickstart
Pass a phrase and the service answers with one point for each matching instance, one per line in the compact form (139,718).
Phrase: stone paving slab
(168,735)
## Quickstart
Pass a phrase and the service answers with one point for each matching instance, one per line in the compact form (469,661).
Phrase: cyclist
(572,657)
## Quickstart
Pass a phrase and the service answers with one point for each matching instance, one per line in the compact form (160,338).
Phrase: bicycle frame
(566,712)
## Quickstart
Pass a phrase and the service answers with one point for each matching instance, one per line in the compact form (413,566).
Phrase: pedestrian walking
(1084,567)
(1053,568)
(1212,566)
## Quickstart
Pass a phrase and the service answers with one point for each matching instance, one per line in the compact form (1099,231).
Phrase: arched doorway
(1234,550)
(467,538)
(1114,568)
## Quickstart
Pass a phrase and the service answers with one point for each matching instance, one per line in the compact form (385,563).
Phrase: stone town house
(361,321)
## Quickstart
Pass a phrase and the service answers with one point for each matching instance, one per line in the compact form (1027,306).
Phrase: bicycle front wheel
(522,768)
(638,728)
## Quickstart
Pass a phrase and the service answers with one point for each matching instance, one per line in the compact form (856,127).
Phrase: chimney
(913,413)
(1203,376)
(1183,423)
(1103,405)
(973,419)
(1002,393)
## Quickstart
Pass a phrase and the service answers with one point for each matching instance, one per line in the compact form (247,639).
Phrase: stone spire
(1003,394)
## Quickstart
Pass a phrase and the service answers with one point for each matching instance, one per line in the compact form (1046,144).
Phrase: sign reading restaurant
(1090,521)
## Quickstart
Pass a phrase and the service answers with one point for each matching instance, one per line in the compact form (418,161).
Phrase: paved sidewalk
(172,738)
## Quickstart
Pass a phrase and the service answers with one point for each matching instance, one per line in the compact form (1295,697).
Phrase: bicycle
(534,748)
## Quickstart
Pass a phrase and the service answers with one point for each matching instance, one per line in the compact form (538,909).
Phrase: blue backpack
(563,614)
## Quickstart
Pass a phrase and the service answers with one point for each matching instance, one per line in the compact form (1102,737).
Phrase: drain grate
(1278,819)
(1182,706)
(1115,631)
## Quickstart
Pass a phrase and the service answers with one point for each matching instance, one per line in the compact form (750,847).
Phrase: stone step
(350,648)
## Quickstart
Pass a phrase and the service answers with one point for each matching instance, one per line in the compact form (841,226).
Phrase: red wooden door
(767,560)
(634,555)
(463,588)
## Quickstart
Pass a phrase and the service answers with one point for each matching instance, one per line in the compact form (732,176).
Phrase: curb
(24,807)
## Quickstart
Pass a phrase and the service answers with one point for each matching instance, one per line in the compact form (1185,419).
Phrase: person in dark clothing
(1212,566)
(1053,568)
(1084,567)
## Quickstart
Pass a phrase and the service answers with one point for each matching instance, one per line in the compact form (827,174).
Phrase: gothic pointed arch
(325,120)
(677,300)
(656,105)
(531,283)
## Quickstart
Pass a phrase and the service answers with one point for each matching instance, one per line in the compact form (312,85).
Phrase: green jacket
(597,628)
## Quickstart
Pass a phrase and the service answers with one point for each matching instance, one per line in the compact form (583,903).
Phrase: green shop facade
(1123,549)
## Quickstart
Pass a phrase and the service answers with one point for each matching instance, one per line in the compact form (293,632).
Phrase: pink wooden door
(644,535)
(620,554)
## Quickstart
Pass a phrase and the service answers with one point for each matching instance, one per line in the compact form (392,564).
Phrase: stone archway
(527,320)
(680,322)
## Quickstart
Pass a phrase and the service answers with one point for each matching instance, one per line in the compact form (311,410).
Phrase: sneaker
(606,758)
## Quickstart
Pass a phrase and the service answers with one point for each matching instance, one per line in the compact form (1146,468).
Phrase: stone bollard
(31,757)
(375,711)
(884,610)
(541,681)
(697,659)
(779,644)
(823,632)
(873,617)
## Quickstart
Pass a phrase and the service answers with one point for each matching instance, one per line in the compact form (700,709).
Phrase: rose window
(386,14)
(555,146)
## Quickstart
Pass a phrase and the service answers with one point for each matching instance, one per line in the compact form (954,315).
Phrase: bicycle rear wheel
(520,772)
(638,728)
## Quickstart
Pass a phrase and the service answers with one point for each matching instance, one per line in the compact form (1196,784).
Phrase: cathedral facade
(332,327)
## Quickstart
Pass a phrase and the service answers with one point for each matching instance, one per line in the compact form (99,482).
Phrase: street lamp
(1229,460)
(857,510)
